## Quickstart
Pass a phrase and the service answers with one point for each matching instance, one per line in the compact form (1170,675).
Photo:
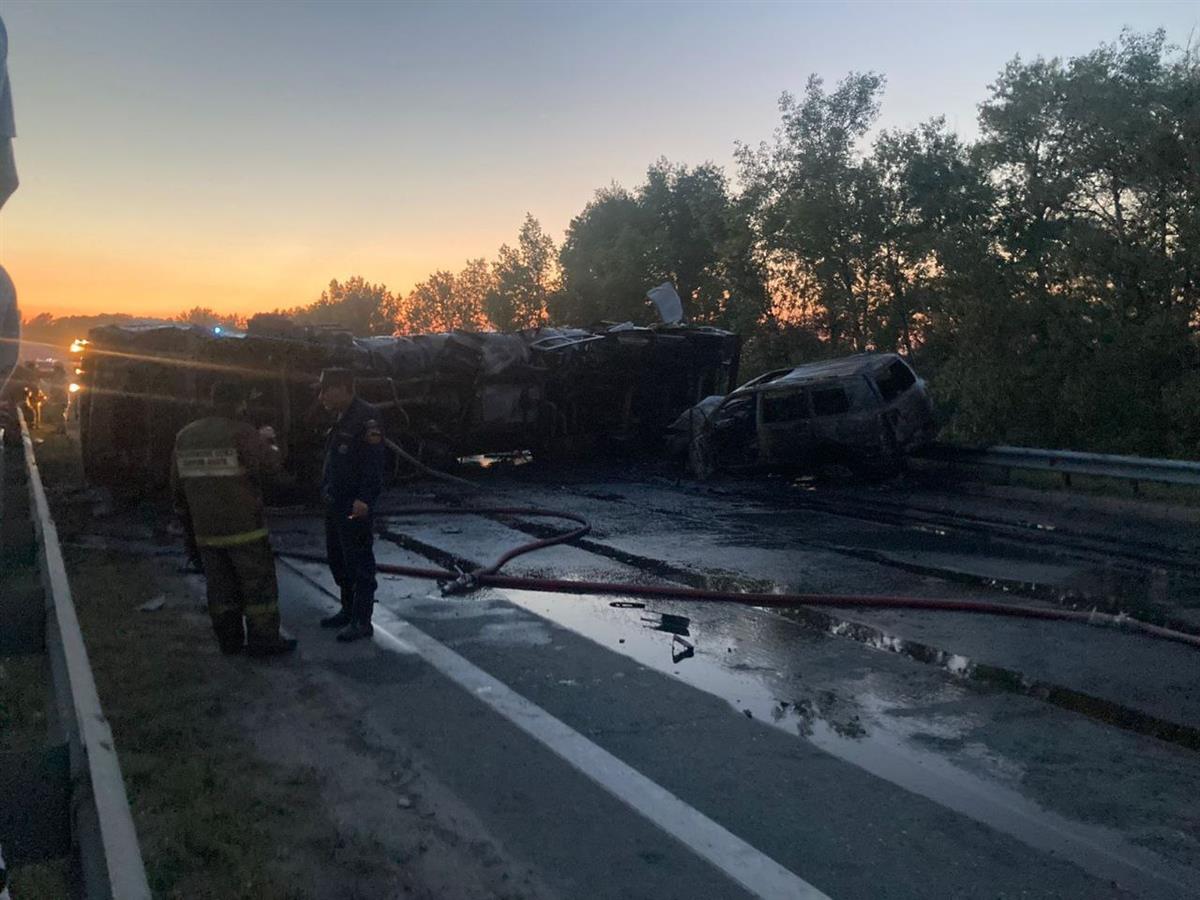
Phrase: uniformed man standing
(220,464)
(350,484)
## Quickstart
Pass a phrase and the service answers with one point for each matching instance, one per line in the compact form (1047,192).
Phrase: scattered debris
(671,624)
(155,604)
(681,649)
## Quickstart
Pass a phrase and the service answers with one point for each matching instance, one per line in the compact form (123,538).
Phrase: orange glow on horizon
(91,280)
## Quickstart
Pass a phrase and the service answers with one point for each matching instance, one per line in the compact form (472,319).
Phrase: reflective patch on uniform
(372,433)
(231,540)
(210,462)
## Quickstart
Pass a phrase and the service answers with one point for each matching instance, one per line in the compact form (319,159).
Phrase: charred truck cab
(865,411)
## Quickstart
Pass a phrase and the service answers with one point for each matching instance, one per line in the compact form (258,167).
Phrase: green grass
(43,881)
(214,820)
(24,693)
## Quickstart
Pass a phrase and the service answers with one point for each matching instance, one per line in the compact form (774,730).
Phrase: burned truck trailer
(553,391)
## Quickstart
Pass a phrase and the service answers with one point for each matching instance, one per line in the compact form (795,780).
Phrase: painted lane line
(752,869)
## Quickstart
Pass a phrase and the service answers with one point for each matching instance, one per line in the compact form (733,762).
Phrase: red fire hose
(488,576)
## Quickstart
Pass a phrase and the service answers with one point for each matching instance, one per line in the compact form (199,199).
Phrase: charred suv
(865,411)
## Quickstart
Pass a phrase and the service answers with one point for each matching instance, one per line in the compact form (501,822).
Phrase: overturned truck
(552,391)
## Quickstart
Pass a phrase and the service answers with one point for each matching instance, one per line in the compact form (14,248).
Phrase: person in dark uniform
(217,473)
(351,481)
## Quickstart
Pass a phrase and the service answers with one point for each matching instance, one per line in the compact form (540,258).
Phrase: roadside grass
(210,814)
(24,694)
(41,881)
(214,820)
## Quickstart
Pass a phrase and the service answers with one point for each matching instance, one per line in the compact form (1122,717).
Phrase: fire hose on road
(489,576)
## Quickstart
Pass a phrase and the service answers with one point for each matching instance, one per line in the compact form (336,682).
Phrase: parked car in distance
(866,412)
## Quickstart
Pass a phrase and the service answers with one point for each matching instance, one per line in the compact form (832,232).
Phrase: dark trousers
(240,582)
(349,547)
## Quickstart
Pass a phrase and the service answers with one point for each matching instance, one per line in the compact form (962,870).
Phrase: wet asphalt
(872,754)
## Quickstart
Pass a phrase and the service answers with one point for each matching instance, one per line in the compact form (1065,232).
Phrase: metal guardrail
(1070,462)
(104,840)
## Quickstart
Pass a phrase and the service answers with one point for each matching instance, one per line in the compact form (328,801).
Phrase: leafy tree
(1096,183)
(524,280)
(681,226)
(445,302)
(934,205)
(355,304)
(472,286)
(702,243)
(209,318)
(817,206)
(606,261)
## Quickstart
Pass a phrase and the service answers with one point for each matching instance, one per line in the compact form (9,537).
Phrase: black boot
(343,618)
(271,646)
(337,620)
(356,631)
(231,636)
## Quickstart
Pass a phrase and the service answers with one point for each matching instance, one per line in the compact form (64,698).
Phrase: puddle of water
(466,607)
(523,633)
(1098,708)
(866,736)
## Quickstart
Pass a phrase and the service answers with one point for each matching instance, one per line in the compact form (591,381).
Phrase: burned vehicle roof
(866,411)
(842,367)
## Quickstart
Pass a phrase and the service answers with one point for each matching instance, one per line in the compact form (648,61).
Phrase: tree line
(1044,277)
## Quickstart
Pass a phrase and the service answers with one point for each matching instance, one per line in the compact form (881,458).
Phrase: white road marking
(750,868)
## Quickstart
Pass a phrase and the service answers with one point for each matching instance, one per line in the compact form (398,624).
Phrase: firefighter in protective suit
(219,466)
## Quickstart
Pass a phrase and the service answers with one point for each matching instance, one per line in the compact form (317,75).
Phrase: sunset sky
(239,155)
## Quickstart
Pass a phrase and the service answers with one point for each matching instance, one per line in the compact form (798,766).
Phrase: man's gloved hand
(359,510)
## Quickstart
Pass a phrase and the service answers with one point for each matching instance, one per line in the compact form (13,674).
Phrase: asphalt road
(676,749)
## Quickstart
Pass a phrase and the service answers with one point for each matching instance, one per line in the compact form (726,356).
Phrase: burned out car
(865,411)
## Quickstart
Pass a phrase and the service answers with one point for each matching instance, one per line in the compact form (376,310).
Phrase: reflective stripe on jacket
(218,470)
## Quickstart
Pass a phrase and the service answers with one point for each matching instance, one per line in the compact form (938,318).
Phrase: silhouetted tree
(680,226)
(523,280)
(445,302)
(357,305)
(209,318)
